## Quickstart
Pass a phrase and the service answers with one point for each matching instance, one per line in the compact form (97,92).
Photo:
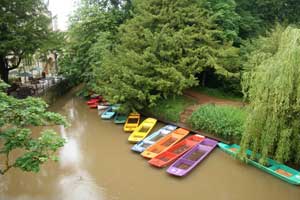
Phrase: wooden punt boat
(151,139)
(192,158)
(108,113)
(93,106)
(142,130)
(132,122)
(165,143)
(94,100)
(103,106)
(120,118)
(274,168)
(174,152)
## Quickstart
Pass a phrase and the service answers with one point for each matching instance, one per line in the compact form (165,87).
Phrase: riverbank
(178,110)
(53,93)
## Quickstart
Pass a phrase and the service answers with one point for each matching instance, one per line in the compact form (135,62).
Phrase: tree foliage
(225,15)
(259,16)
(272,86)
(24,26)
(161,49)
(94,23)
(17,116)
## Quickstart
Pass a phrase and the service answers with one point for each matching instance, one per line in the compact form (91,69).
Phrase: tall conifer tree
(161,49)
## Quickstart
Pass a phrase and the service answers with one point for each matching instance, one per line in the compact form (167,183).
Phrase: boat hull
(274,168)
(103,106)
(120,119)
(172,153)
(93,106)
(108,113)
(192,158)
(151,139)
(132,122)
(142,130)
(94,100)
(165,143)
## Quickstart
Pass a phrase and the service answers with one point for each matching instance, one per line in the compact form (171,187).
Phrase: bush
(226,122)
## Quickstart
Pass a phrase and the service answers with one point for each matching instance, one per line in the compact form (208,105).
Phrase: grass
(226,122)
(170,109)
(214,92)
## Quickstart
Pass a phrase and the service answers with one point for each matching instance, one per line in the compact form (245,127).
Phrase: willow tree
(273,88)
(161,49)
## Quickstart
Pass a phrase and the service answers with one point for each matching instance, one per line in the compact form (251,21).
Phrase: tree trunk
(4,71)
(203,78)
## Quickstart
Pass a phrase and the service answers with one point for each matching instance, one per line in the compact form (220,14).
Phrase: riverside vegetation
(142,53)
(146,53)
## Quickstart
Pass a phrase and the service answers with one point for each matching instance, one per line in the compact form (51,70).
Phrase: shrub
(224,121)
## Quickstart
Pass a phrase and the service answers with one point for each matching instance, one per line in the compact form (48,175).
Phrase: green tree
(257,16)
(93,29)
(15,135)
(161,49)
(225,15)
(24,26)
(273,88)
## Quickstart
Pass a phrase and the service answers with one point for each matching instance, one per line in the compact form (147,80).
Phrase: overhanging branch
(16,65)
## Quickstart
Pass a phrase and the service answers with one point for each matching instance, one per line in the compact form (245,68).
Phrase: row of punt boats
(170,146)
(174,148)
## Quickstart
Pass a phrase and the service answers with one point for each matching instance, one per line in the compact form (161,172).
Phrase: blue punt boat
(120,118)
(151,139)
(108,113)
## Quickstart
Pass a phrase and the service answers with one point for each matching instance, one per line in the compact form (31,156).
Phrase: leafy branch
(16,118)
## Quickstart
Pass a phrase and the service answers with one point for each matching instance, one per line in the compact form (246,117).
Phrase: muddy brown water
(97,164)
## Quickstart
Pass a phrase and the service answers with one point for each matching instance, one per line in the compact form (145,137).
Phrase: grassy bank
(170,109)
(226,122)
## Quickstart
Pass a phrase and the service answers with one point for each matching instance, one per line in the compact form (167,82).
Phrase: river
(97,164)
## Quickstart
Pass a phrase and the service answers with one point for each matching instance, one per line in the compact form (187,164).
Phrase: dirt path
(204,99)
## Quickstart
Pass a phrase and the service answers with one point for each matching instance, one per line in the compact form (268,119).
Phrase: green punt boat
(120,118)
(274,168)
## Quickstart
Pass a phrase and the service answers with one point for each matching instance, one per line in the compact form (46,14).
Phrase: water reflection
(70,155)
(80,186)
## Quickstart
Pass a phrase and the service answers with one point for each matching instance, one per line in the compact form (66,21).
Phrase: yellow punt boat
(142,130)
(164,143)
(132,122)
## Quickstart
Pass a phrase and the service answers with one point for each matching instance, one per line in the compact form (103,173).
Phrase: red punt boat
(94,100)
(171,154)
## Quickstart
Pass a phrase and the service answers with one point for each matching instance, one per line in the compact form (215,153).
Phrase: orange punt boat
(164,143)
(172,153)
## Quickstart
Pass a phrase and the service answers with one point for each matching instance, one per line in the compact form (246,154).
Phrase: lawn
(170,109)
